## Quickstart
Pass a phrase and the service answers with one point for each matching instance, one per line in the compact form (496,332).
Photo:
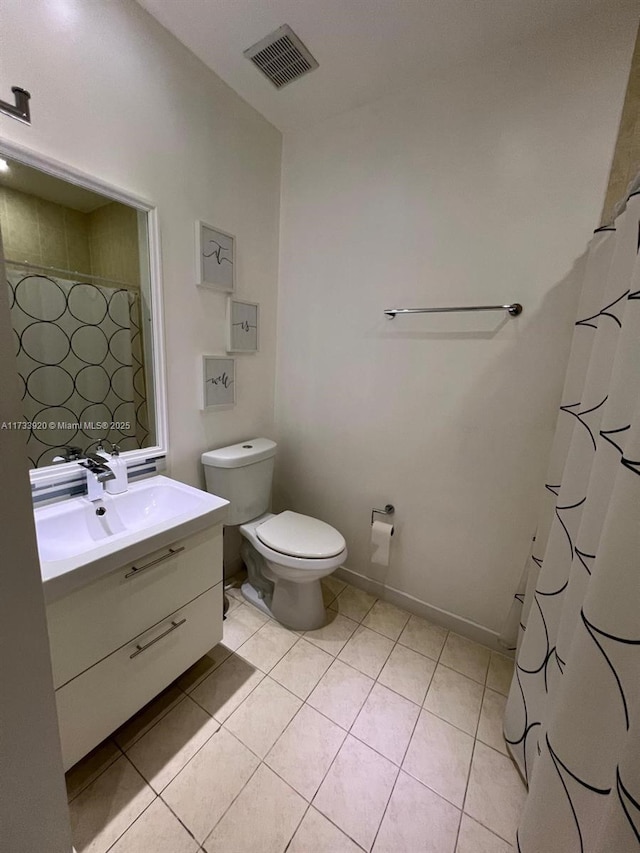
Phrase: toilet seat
(300,536)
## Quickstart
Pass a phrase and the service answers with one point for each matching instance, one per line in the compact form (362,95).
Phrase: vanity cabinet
(119,641)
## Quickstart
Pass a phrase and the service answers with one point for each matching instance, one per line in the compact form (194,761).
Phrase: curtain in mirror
(80,364)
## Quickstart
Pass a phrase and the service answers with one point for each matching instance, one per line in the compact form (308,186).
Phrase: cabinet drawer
(90,623)
(93,705)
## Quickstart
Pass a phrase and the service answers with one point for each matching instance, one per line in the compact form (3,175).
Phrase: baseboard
(465,627)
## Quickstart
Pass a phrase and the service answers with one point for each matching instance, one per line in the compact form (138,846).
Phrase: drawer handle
(135,570)
(140,649)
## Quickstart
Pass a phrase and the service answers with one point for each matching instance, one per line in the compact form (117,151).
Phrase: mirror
(77,263)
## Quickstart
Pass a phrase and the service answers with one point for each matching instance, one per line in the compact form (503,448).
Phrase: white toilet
(287,554)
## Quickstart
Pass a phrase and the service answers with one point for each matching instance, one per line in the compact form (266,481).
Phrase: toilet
(286,554)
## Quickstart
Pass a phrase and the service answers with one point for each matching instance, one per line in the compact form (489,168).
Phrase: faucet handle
(101,461)
(95,463)
(69,453)
(115,450)
(97,466)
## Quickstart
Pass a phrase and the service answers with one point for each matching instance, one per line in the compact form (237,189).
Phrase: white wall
(33,801)
(477,188)
(115,95)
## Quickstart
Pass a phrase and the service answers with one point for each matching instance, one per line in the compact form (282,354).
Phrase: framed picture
(218,381)
(242,326)
(215,257)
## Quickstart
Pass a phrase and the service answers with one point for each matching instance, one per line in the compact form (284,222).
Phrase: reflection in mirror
(77,266)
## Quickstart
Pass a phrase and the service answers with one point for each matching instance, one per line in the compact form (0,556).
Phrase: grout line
(222,816)
(433,790)
(339,828)
(437,793)
(449,723)
(386,807)
(262,761)
(404,755)
(266,672)
(466,790)
(202,745)
(349,733)
(422,708)
(260,757)
(207,674)
(488,829)
(412,649)
(322,714)
(302,698)
(455,846)
(377,631)
(289,785)
(347,587)
(373,677)
(243,744)
(222,722)
(355,669)
(304,814)
(229,619)
(177,817)
(335,758)
(484,693)
(463,674)
(492,831)
(152,725)
(284,731)
(111,846)
(99,774)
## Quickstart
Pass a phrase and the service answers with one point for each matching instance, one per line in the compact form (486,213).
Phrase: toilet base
(298,606)
(250,594)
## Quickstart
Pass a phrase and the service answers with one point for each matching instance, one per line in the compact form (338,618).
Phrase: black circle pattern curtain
(79,353)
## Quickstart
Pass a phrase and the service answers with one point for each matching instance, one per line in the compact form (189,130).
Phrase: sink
(76,545)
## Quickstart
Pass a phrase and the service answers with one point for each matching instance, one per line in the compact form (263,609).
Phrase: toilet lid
(300,536)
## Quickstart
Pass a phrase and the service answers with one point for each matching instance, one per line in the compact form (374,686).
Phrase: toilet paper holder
(388,510)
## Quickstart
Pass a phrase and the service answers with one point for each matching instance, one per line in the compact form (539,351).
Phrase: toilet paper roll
(381,534)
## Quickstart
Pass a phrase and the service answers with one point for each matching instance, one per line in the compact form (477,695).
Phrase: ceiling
(29,180)
(366,48)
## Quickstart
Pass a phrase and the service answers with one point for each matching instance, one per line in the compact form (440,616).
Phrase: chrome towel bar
(513,310)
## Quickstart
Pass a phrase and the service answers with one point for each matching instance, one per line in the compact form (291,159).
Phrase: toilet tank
(242,474)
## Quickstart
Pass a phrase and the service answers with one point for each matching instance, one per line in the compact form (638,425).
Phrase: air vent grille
(281,57)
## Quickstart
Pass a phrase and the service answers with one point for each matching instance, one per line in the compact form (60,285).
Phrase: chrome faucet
(68,453)
(98,472)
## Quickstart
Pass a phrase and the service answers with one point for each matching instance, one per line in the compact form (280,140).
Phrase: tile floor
(377,732)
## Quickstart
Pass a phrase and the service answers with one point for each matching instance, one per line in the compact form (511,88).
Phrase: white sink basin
(76,545)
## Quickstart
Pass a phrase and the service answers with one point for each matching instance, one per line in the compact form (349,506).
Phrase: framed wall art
(218,381)
(215,258)
(242,326)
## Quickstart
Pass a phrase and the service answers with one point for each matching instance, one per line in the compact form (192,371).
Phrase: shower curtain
(573,714)
(79,358)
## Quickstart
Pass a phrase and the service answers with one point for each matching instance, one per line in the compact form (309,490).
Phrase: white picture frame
(218,381)
(243,325)
(215,258)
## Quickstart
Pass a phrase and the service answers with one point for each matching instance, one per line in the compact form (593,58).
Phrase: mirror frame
(66,471)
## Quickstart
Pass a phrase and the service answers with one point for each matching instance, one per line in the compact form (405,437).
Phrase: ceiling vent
(281,57)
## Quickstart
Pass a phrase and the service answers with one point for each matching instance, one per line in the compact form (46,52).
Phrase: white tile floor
(377,732)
